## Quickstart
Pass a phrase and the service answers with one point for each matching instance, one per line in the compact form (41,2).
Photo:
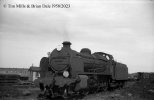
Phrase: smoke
(65,30)
(66,36)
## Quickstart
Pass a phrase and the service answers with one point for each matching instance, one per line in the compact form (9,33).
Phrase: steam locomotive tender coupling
(66,72)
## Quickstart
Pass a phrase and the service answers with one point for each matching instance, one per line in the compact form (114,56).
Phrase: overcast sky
(123,28)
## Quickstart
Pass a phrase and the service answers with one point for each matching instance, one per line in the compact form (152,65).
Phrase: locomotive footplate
(61,81)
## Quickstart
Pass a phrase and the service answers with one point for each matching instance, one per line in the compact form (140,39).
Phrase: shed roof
(34,69)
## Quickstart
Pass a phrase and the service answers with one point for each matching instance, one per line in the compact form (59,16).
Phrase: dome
(85,51)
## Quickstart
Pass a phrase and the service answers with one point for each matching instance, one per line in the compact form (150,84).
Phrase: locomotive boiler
(66,72)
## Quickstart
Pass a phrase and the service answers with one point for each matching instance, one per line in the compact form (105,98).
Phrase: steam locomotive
(66,72)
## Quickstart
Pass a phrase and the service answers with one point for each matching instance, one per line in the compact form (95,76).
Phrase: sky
(122,28)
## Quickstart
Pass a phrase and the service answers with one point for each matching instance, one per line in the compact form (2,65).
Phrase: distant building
(142,75)
(34,73)
(23,72)
(18,71)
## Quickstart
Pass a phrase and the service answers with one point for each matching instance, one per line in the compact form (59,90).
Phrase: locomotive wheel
(105,88)
(92,90)
(84,92)
(65,95)
(99,89)
(41,85)
(47,94)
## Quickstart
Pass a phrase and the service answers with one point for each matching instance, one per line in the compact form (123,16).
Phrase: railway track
(75,96)
(98,94)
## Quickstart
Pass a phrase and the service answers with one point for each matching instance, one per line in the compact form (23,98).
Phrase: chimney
(66,44)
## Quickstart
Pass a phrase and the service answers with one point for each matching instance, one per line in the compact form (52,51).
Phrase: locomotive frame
(66,72)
